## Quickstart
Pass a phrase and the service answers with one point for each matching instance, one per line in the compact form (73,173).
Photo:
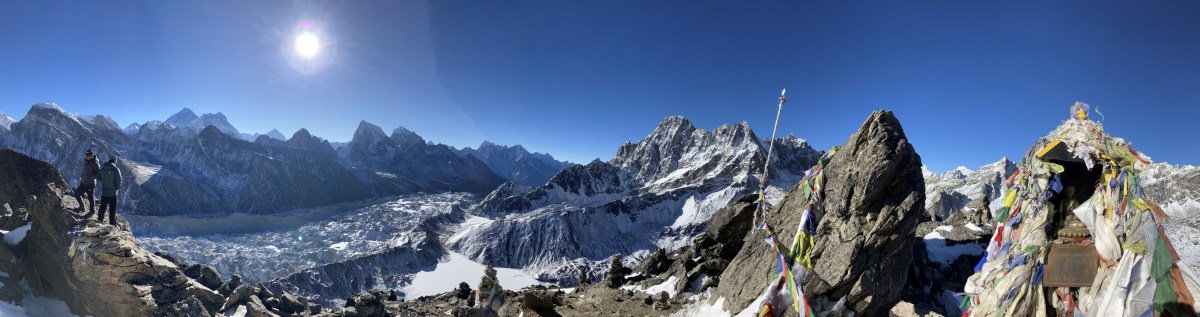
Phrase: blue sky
(970,80)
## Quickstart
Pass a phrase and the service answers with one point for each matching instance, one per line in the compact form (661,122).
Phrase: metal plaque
(1071,265)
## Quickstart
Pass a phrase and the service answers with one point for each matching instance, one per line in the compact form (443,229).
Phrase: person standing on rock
(87,183)
(489,292)
(110,184)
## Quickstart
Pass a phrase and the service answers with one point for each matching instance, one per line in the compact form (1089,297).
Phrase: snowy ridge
(5,121)
(657,192)
(950,192)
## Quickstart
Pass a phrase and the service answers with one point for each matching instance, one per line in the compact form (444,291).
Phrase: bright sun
(307,45)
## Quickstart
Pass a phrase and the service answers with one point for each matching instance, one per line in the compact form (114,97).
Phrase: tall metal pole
(762,187)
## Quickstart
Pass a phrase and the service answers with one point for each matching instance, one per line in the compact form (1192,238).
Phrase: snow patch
(937,250)
(973,227)
(459,268)
(702,308)
(467,227)
(667,286)
(340,246)
(699,211)
(14,237)
(34,306)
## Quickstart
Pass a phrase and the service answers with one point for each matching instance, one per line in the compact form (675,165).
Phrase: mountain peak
(214,119)
(48,106)
(51,112)
(6,121)
(302,133)
(402,131)
(487,144)
(363,124)
(671,128)
(182,118)
(275,134)
(403,136)
(367,132)
(675,121)
(133,128)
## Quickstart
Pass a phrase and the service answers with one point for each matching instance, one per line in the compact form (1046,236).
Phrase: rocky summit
(874,198)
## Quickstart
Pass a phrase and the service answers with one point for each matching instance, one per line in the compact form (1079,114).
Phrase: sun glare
(307,45)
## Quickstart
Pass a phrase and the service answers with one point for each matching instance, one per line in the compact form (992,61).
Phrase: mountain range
(200,165)
(544,216)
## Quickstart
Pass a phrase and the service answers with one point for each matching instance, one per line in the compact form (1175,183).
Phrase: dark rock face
(942,204)
(874,198)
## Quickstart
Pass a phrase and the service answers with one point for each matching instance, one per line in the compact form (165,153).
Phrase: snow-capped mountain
(516,164)
(49,133)
(404,161)
(133,128)
(949,192)
(182,118)
(656,192)
(188,120)
(169,170)
(302,140)
(274,134)
(199,164)
(5,121)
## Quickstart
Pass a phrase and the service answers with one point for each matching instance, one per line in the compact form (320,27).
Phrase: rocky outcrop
(874,196)
(99,269)
(697,268)
(108,274)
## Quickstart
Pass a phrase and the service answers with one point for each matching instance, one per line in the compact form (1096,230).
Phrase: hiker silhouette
(87,183)
(110,185)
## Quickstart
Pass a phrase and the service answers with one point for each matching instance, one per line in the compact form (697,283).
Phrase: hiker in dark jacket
(87,183)
(110,184)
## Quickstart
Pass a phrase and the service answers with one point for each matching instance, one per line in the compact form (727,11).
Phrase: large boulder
(874,197)
(108,274)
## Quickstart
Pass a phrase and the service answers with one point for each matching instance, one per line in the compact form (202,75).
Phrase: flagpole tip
(784,92)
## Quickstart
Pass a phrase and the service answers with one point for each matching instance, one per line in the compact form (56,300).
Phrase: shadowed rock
(874,198)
